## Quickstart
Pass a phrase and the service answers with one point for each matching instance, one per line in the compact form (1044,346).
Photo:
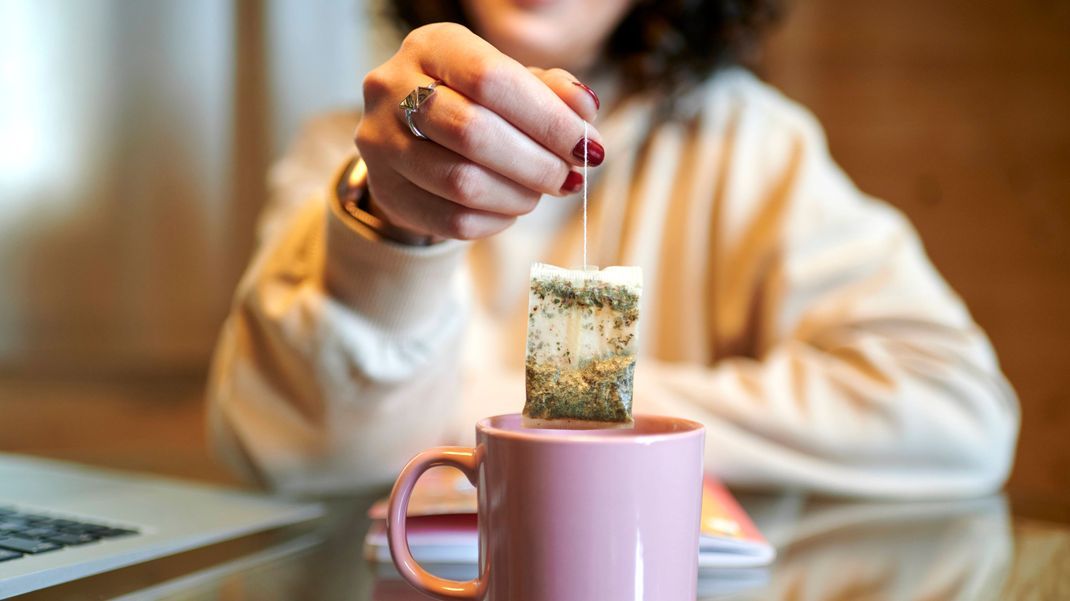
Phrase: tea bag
(581,346)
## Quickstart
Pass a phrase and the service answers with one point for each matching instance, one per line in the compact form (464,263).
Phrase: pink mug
(571,515)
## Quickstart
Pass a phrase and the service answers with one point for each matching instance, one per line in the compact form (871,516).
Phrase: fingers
(500,135)
(444,173)
(489,78)
(485,138)
(420,211)
(575,93)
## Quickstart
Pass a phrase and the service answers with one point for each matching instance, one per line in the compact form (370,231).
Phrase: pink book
(442,526)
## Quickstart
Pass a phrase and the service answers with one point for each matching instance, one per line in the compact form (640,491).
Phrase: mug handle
(465,459)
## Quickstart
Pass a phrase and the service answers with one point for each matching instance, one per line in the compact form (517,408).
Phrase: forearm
(918,411)
(337,361)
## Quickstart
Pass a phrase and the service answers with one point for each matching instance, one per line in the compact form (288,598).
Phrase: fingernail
(595,153)
(573,182)
(586,88)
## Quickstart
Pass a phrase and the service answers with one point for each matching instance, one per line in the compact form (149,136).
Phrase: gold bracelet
(355,198)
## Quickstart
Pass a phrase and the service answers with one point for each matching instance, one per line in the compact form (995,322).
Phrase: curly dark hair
(660,44)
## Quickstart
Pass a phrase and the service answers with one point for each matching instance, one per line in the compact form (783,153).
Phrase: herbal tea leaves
(581,344)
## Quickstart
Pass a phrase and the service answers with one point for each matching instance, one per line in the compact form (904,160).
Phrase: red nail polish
(595,153)
(586,88)
(573,182)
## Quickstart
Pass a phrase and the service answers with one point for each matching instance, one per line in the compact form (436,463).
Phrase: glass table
(971,549)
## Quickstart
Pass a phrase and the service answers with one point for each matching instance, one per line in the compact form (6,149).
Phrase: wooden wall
(958,112)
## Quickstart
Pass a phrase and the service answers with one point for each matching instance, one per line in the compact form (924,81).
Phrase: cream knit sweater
(797,318)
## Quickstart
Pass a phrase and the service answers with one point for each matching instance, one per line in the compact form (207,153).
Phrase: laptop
(60,521)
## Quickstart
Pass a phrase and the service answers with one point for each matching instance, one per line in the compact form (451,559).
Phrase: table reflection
(933,550)
(837,550)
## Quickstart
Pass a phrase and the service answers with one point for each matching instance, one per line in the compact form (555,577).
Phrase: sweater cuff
(395,286)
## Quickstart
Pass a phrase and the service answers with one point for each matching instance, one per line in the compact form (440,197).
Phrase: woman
(797,318)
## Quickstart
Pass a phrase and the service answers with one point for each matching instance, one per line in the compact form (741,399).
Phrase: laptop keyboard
(23,533)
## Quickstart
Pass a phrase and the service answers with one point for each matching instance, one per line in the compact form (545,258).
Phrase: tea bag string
(585,132)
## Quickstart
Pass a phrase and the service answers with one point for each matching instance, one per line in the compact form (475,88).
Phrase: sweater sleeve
(857,371)
(337,361)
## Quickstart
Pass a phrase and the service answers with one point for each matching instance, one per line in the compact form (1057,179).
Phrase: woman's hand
(501,136)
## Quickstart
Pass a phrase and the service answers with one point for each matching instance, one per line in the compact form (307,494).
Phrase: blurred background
(135,136)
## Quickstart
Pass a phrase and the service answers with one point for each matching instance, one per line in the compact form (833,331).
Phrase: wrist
(355,199)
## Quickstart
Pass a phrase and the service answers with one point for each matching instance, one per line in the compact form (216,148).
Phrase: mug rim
(596,436)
